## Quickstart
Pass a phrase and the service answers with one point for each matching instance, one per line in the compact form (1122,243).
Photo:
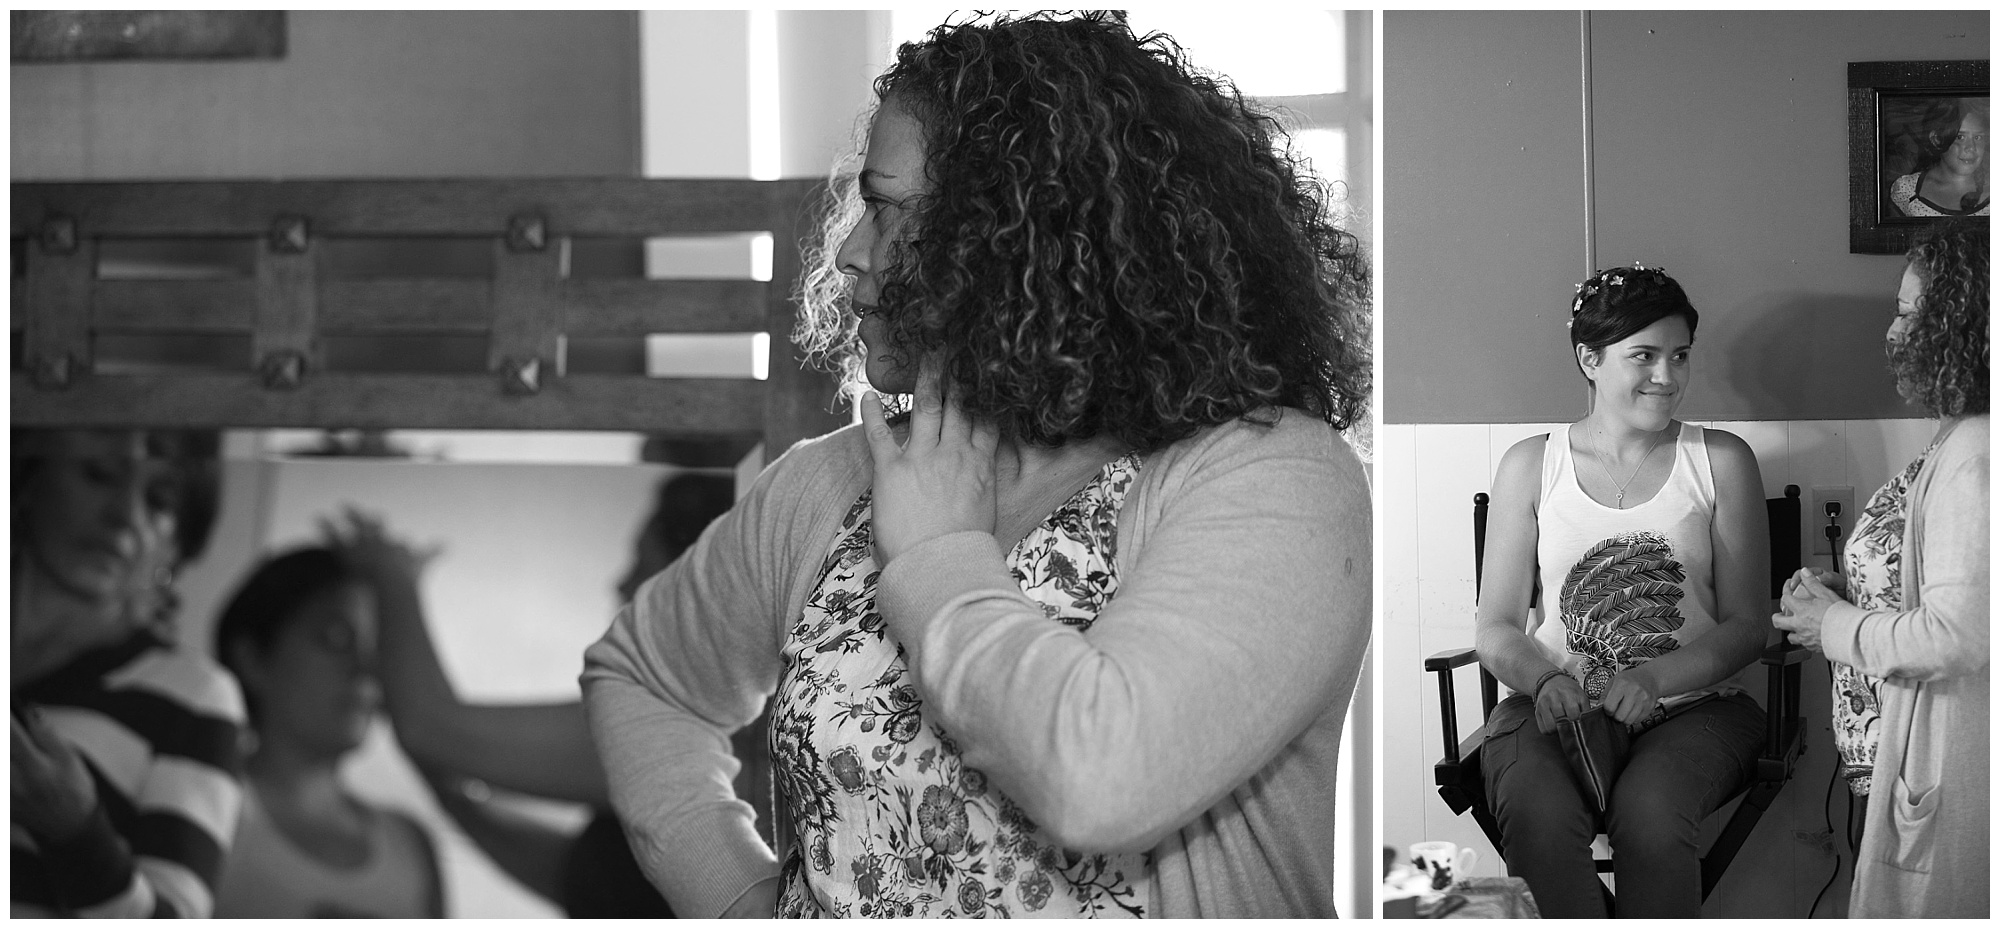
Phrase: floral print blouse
(1874,563)
(890,822)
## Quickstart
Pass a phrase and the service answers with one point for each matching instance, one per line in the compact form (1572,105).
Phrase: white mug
(1447,864)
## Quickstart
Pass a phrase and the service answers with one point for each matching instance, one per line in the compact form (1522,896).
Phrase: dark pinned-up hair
(1941,361)
(1610,306)
(1113,242)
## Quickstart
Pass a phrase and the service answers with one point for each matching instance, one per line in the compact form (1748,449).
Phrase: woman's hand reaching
(364,540)
(939,481)
(1802,608)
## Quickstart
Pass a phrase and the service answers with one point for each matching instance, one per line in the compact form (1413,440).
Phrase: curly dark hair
(1941,361)
(1611,305)
(1113,243)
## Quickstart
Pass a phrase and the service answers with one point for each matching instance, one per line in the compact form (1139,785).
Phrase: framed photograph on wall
(1917,146)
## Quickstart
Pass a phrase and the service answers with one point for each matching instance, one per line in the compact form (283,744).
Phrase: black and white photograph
(1684,505)
(1917,139)
(745,463)
(1191,461)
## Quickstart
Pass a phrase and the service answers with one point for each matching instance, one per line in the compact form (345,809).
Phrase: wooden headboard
(285,306)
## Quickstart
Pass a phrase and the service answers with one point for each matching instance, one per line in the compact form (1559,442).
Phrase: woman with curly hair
(1906,625)
(1074,633)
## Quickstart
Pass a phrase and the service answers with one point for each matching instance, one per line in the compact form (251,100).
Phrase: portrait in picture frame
(1917,148)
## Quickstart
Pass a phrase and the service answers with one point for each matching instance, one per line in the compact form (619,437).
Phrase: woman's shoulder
(1971,438)
(1529,451)
(1291,455)
(1725,449)
(1274,434)
(188,678)
(818,466)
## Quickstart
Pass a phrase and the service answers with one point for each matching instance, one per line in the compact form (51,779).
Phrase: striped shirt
(160,730)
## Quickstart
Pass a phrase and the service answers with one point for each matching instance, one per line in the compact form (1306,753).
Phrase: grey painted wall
(1720,153)
(358,94)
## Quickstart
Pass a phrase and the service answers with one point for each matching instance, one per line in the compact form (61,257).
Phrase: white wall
(1426,479)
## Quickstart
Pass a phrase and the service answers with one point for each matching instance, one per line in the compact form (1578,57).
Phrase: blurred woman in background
(126,750)
(300,635)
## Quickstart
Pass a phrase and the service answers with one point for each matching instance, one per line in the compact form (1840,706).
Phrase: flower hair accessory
(1600,282)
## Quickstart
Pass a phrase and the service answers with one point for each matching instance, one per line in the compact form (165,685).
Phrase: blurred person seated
(126,750)
(466,750)
(299,635)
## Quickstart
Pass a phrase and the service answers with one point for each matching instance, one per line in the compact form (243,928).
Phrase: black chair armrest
(1459,777)
(1786,652)
(1784,729)
(1452,658)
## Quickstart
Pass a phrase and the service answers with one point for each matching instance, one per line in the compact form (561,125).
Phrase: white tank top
(267,876)
(1622,587)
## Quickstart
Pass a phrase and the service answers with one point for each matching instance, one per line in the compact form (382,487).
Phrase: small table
(1472,898)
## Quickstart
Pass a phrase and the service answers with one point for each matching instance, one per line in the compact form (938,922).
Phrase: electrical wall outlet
(1817,520)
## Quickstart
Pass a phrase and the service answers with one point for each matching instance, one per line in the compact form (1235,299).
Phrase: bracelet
(1546,677)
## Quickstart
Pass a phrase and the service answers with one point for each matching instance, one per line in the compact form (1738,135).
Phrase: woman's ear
(1587,359)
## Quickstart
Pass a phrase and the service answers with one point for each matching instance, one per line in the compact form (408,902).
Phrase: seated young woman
(299,634)
(1648,538)
(1077,635)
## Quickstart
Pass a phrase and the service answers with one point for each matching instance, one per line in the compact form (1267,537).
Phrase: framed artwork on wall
(1917,145)
(109,35)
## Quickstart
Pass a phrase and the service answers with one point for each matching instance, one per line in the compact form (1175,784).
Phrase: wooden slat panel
(430,304)
(395,402)
(287,307)
(55,319)
(597,307)
(527,307)
(573,206)
(609,306)
(797,406)
(175,305)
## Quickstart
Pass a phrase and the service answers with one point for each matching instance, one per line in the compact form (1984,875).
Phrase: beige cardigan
(1199,717)
(1924,846)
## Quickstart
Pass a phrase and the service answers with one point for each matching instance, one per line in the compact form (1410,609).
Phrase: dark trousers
(1678,772)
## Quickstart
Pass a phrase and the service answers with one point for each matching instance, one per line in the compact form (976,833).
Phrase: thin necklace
(1603,459)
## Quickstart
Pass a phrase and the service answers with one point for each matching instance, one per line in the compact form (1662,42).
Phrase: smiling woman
(1646,538)
(1076,633)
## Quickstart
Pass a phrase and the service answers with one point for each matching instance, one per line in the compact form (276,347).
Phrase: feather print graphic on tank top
(1620,604)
